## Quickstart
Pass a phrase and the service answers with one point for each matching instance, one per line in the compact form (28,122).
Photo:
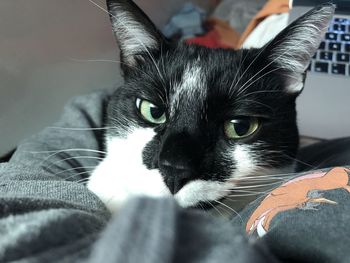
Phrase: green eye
(240,127)
(151,112)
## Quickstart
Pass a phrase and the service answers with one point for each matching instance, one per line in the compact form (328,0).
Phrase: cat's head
(194,122)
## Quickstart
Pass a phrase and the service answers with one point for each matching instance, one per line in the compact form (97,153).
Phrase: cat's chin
(114,190)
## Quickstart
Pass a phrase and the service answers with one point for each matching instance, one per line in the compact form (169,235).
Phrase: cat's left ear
(292,49)
(136,35)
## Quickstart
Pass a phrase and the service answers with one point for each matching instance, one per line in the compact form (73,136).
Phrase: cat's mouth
(199,192)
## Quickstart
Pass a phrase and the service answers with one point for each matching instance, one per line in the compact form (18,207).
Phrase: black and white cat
(194,122)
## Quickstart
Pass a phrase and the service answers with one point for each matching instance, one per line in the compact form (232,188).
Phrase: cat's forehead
(195,79)
(191,87)
(196,76)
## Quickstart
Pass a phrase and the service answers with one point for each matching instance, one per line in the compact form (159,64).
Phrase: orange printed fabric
(298,193)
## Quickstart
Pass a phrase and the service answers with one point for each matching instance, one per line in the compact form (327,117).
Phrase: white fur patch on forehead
(192,87)
(132,35)
(293,51)
(122,173)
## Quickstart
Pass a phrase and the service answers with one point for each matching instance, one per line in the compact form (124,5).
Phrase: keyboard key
(338,69)
(340,20)
(322,45)
(331,36)
(347,48)
(345,37)
(326,55)
(339,27)
(321,67)
(343,57)
(334,46)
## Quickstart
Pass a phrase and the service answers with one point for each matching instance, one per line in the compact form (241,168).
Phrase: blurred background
(52,50)
(45,48)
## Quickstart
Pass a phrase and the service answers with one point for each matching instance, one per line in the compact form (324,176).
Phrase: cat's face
(194,122)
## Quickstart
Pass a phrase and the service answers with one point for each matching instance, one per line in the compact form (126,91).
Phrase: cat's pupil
(156,112)
(242,126)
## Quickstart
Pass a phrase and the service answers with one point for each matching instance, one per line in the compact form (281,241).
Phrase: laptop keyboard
(333,55)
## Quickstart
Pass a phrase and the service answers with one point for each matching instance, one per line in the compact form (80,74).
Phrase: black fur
(192,144)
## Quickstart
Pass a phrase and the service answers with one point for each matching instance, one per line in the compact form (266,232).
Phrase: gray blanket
(48,215)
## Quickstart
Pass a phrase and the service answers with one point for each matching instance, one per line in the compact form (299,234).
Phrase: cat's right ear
(136,35)
(292,49)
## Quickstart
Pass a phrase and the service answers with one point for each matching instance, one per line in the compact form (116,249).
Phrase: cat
(196,123)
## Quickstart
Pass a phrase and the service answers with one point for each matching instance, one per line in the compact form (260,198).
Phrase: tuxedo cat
(196,123)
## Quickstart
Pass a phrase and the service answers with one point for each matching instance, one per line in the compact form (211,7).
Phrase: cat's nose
(176,175)
(179,159)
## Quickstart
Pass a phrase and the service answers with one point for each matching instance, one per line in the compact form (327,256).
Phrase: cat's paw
(114,188)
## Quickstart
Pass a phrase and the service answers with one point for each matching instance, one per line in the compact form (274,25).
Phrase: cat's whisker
(162,58)
(205,210)
(230,209)
(263,176)
(260,91)
(266,179)
(75,168)
(238,69)
(216,209)
(251,63)
(299,161)
(268,176)
(201,207)
(77,174)
(246,85)
(67,150)
(240,100)
(84,180)
(243,88)
(74,158)
(80,129)
(247,191)
(257,185)
(244,195)
(97,60)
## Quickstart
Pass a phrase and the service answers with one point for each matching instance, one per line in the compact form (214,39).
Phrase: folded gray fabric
(157,230)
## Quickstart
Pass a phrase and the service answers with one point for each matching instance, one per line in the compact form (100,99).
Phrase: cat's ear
(136,35)
(292,49)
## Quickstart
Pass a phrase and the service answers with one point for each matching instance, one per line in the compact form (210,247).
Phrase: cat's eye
(151,112)
(240,127)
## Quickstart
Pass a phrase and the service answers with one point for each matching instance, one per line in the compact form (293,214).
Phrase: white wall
(41,42)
